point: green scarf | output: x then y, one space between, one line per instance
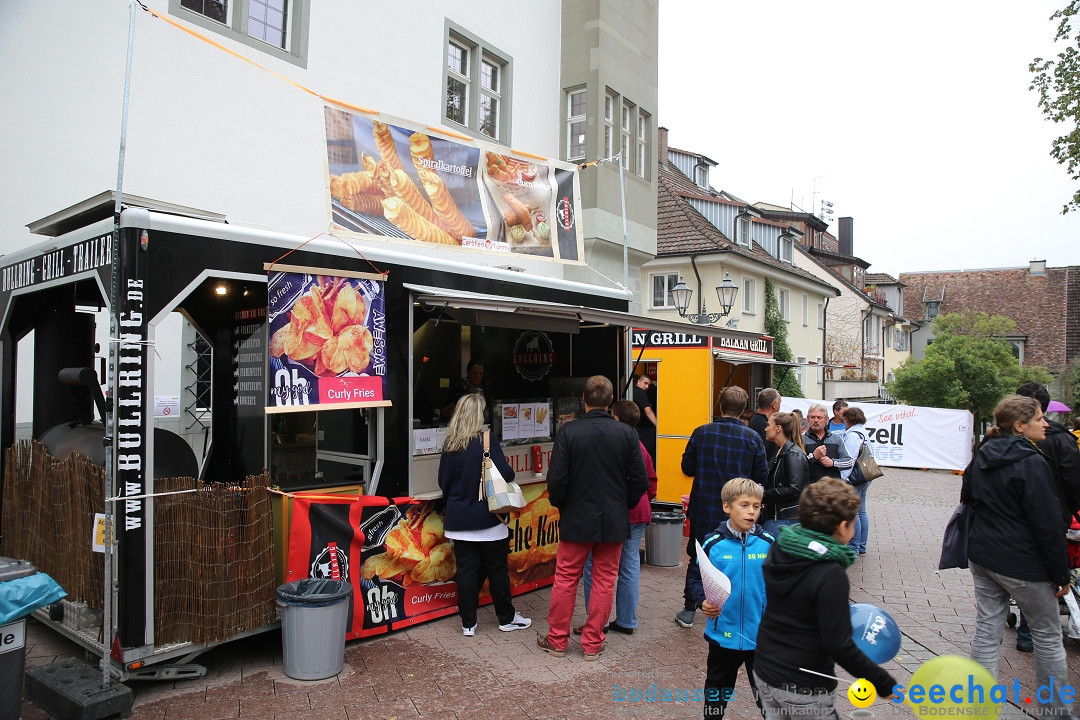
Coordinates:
807 544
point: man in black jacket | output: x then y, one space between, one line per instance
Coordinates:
768 402
596 475
1061 452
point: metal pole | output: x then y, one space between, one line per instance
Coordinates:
625 240
114 331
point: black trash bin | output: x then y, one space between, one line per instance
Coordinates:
314 614
12 645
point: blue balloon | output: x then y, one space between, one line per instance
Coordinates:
875 632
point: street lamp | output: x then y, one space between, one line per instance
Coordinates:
725 292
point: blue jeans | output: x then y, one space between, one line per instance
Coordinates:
626 591
772 526
862 522
1040 607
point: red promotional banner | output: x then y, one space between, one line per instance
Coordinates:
400 565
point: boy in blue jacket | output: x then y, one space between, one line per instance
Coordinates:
737 548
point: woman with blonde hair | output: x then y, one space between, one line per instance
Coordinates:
479 536
1016 543
789 472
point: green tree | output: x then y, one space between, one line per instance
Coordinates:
1058 83
1070 382
969 366
777 328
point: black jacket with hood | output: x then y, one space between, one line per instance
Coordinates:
1064 457
807 624
1017 529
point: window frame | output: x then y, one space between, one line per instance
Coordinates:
610 100
480 52
297 29
642 157
785 249
783 299
627 112
571 119
668 276
749 291
821 316
742 230
805 310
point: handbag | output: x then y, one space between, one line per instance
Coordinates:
955 543
502 495
867 464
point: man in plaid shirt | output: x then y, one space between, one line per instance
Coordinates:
716 453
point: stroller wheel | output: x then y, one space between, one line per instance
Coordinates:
1011 620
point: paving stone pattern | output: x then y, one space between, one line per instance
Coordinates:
434 672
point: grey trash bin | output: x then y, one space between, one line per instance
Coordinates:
663 539
314 615
12 646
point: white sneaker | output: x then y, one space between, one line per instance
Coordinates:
468 632
518 623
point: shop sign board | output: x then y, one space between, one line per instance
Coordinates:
327 347
407 182
909 436
400 565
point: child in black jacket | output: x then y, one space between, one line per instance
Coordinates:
807 622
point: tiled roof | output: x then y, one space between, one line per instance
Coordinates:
682 230
881 279
1037 304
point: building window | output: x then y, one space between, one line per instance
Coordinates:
800 372
277 27
477 82
749 296
662 283
787 249
701 175
576 123
888 337
627 111
821 316
642 143
784 297
933 307
820 371
609 125
742 230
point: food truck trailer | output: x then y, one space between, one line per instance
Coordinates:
316 375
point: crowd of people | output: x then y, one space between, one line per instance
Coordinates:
781 510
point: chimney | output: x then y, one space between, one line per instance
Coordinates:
661 144
845 239
1037 268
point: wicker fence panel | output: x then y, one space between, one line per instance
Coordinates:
48 516
213 548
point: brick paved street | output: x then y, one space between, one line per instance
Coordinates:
432 671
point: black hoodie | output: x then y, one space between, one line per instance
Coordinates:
1061 451
807 624
1017 529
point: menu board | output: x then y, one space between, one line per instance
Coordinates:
525 420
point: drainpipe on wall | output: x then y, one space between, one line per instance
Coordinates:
701 298
824 335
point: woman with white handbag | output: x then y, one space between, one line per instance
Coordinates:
854 438
480 547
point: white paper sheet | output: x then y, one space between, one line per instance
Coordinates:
717 585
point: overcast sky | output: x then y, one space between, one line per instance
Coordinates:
915 119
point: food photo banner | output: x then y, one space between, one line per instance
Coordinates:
327 339
909 436
405 182
400 565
